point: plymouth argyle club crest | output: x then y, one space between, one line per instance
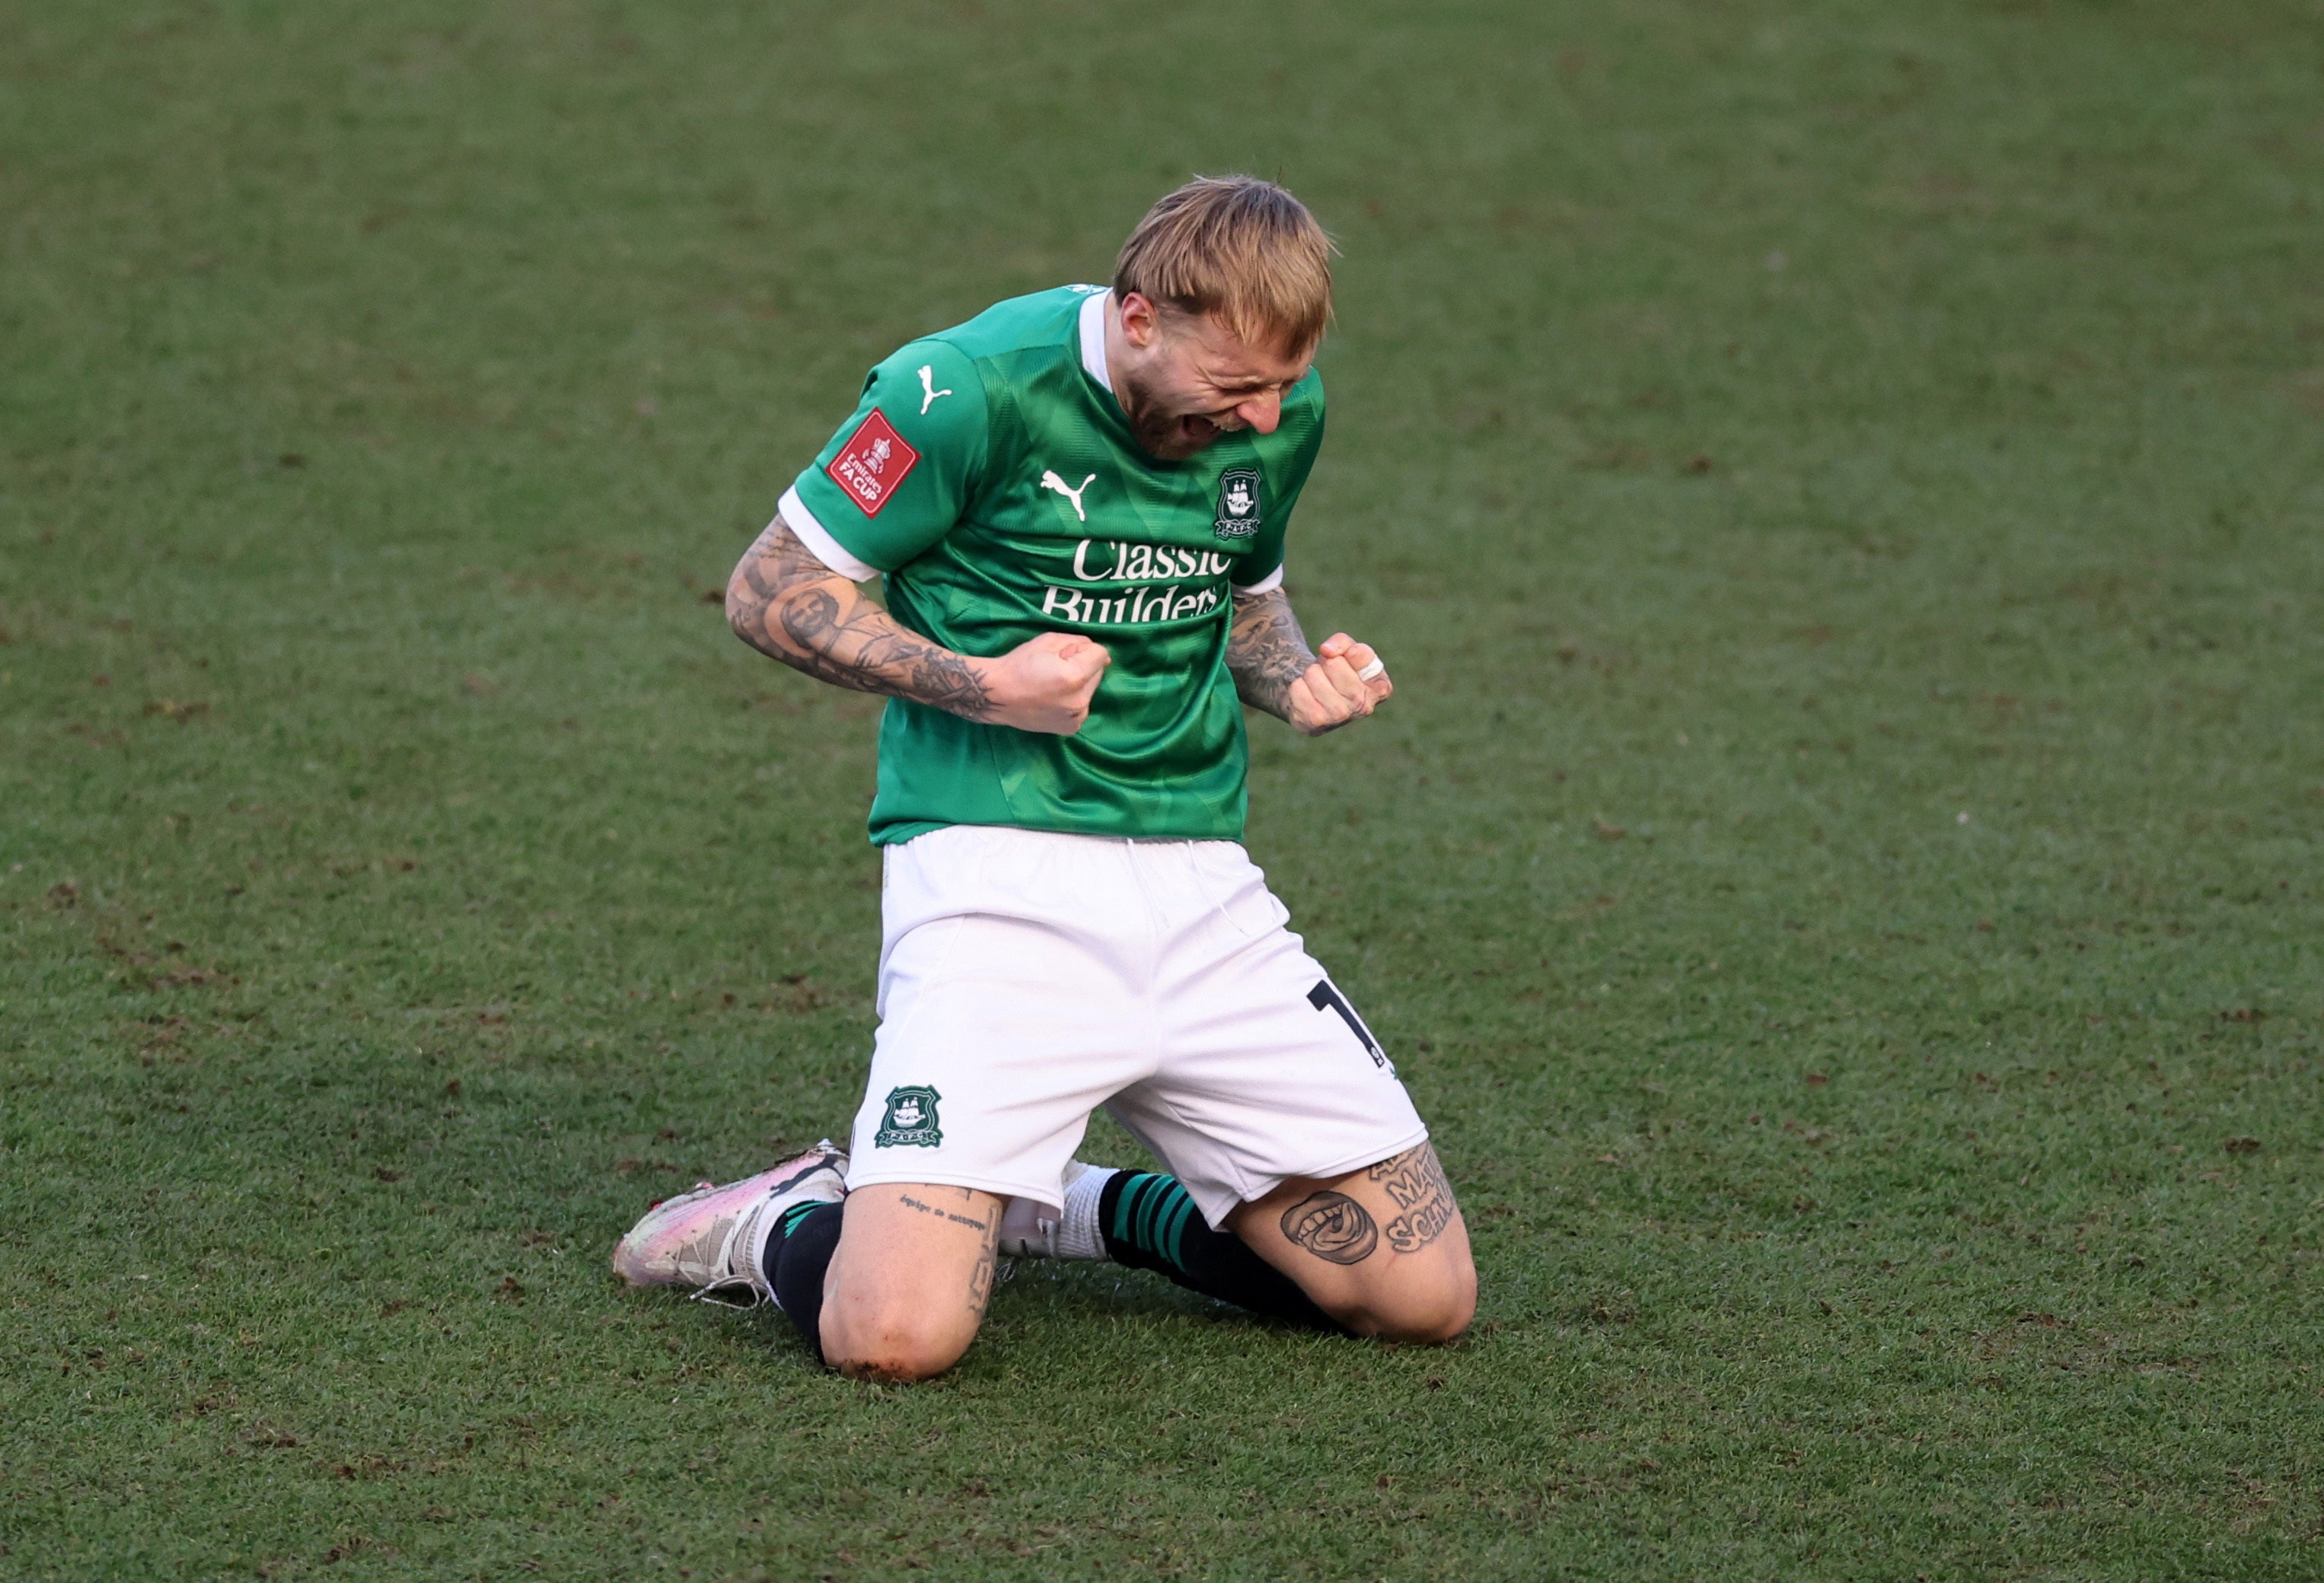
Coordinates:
1238 502
910 1121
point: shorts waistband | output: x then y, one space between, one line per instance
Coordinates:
1030 834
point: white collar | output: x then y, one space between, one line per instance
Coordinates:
1093 338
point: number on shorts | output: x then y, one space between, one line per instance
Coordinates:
1326 993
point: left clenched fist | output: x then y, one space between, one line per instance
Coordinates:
1333 690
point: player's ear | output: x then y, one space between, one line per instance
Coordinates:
1141 320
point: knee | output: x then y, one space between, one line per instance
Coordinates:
1426 1313
892 1345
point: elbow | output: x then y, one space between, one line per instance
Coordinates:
746 613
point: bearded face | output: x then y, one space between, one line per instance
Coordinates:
1183 378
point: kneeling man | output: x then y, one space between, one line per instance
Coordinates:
1077 502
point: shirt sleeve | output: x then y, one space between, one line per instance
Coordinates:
1260 571
897 475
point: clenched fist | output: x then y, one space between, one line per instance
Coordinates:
1043 683
1332 691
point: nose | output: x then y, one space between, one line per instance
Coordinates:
1263 413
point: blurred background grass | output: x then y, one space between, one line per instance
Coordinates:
1838 487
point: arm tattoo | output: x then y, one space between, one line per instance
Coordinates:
788 605
1416 1182
1332 1226
1266 652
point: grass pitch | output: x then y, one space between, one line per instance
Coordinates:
1838 485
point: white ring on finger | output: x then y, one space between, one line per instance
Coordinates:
1379 666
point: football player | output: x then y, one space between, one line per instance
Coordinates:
1076 503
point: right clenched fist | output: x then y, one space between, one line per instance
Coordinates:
1045 684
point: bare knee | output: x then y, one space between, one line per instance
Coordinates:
892 1345
908 1281
1433 1323
1418 1313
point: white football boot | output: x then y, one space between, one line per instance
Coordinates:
714 1239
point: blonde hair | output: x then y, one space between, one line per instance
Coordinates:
1238 248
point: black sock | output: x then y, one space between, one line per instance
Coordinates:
1149 1224
810 1235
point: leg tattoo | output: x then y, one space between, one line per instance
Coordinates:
1416 1182
1332 1226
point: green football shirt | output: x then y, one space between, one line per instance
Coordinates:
990 477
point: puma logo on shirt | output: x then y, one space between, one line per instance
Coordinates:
1051 481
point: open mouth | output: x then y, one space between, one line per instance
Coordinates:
1179 437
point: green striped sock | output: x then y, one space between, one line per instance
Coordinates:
1148 1215
1149 1222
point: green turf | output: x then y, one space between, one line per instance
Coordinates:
1838 485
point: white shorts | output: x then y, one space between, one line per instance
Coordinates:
1028 977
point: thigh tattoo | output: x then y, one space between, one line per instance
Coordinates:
981 1278
1332 1226
1416 1182
980 1281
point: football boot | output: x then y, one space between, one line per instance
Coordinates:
714 1239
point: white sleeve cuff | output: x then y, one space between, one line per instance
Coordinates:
1266 584
826 549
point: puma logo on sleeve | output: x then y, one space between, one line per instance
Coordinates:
929 394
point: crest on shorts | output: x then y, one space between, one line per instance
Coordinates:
1238 502
910 1121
